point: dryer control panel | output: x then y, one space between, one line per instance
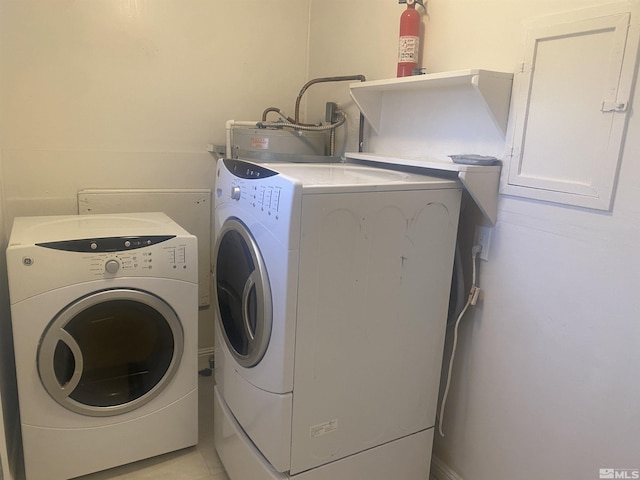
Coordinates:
106 244
108 256
46 253
42 268
170 257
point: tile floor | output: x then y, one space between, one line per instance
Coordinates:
196 463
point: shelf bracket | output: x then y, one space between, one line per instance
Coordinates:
483 188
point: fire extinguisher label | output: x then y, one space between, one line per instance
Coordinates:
408 49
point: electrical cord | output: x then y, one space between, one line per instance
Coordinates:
458 285
471 300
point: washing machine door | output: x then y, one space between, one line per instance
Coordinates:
243 295
110 352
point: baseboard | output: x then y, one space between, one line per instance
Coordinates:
204 356
442 471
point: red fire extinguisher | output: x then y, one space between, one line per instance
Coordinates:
409 42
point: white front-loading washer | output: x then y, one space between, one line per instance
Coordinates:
332 289
104 312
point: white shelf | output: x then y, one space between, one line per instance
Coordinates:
479 180
422 162
493 91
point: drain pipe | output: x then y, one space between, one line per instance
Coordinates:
360 78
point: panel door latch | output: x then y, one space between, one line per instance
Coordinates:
613 107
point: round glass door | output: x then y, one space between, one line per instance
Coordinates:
110 352
243 295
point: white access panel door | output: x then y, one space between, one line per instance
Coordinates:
375 272
571 105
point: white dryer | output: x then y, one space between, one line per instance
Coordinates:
104 313
332 289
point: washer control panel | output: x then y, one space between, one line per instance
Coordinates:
256 188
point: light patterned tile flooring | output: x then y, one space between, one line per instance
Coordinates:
196 463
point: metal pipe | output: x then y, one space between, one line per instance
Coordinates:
267 110
344 78
332 142
298 126
361 134
360 78
278 111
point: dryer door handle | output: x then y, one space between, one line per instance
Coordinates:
246 292
59 388
69 341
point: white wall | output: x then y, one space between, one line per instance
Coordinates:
128 93
545 383
349 38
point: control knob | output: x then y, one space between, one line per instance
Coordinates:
235 192
112 266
